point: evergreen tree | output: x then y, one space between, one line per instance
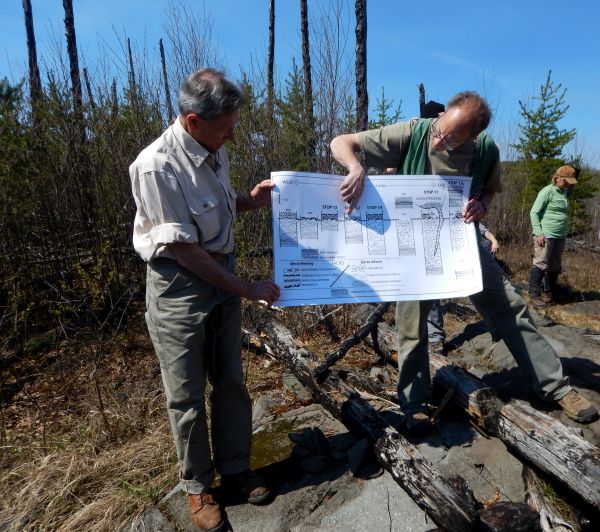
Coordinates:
541 141
296 136
541 144
382 112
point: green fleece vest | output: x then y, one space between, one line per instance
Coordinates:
415 158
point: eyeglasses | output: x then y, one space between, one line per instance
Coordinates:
447 140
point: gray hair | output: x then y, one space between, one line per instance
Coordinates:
209 94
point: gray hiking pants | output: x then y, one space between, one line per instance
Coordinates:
506 310
195 329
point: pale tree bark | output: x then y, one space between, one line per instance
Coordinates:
271 60
362 97
35 84
307 75
170 113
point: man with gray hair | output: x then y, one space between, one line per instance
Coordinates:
184 230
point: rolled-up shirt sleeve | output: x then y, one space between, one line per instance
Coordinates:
166 209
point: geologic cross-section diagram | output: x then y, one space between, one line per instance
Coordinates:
406 239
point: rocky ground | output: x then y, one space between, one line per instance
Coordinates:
325 478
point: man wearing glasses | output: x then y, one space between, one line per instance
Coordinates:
183 229
455 143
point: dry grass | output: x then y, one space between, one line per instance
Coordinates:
75 490
580 268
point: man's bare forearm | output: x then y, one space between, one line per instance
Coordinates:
344 149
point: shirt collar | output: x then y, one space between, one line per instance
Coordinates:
195 151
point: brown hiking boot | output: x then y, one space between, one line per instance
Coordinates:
577 407
250 484
206 512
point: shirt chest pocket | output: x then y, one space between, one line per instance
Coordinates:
205 211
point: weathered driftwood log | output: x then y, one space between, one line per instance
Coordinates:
425 484
544 441
550 519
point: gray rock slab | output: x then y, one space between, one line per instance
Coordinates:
378 504
489 469
152 520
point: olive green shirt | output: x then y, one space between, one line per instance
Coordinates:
385 148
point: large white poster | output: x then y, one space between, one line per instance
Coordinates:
406 240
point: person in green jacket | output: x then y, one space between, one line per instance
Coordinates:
549 219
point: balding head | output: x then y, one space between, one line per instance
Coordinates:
476 112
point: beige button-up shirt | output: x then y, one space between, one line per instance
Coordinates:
180 197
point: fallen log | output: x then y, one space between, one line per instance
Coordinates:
553 447
413 472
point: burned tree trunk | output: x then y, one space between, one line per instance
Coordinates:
131 70
421 88
88 88
35 84
307 75
271 61
170 113
72 52
409 468
362 97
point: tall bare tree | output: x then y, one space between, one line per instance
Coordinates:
170 114
271 59
306 73
72 51
132 83
88 88
35 84
362 97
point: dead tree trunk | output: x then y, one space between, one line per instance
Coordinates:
271 62
114 99
132 84
72 52
35 84
307 75
170 113
88 88
421 98
362 97
410 469
547 443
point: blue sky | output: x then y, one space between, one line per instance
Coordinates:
502 49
